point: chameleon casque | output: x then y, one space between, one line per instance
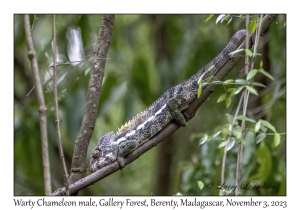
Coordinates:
142 127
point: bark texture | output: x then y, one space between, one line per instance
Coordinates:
78 167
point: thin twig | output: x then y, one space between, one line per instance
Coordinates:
30 91
61 152
246 98
246 95
228 140
34 18
257 35
42 107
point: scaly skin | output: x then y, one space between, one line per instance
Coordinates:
141 128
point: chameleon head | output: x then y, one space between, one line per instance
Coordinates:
103 153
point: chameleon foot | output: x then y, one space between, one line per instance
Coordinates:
175 105
121 162
124 149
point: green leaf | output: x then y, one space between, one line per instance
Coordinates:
260 137
276 139
252 90
209 78
231 91
236 51
224 18
209 17
200 81
200 185
228 102
219 18
229 20
248 52
243 117
249 139
238 90
229 142
263 128
229 118
209 68
213 82
230 145
227 17
199 92
268 125
257 126
230 126
241 81
258 84
266 74
222 97
203 139
261 64
228 81
251 74
216 134
252 27
201 77
237 132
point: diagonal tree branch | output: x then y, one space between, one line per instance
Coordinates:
78 167
167 131
42 107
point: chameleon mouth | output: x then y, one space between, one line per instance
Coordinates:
99 163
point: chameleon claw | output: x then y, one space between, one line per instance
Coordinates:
121 162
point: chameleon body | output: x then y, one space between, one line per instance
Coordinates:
141 128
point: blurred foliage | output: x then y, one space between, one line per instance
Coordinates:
148 54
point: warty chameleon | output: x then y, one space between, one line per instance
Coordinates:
114 147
